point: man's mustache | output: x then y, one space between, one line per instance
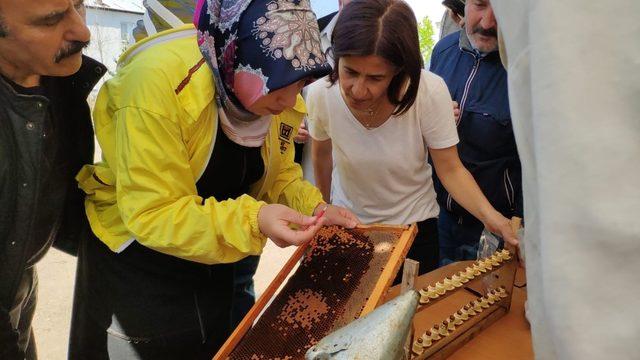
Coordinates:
74 48
492 32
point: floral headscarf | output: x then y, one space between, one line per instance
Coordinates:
254 47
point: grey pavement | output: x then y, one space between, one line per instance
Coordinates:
57 275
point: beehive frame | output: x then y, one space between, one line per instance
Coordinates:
407 234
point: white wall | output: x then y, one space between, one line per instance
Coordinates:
107 31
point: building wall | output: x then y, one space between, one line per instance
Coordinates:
111 34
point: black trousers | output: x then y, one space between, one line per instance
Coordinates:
425 248
16 332
142 304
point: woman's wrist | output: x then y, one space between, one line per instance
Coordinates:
254 219
488 214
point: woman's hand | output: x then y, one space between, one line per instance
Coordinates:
500 225
274 221
464 189
456 110
336 215
303 134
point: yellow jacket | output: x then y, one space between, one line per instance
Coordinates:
156 122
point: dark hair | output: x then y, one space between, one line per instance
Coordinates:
385 28
457 6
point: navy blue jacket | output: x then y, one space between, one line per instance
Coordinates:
487 145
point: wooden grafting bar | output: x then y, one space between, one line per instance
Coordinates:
461 305
435 339
441 289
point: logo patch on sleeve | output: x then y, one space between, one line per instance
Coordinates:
285 132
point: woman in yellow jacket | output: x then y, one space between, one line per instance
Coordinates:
192 177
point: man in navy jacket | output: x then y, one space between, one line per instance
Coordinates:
470 64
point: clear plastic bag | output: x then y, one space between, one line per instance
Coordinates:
490 243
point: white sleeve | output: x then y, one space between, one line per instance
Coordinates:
578 140
435 109
317 118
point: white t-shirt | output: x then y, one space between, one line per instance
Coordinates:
383 173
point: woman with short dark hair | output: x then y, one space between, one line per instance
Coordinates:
379 117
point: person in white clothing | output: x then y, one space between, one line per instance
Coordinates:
574 85
378 117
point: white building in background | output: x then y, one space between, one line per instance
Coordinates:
111 23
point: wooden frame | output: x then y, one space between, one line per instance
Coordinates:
390 270
483 322
382 227
501 277
465 333
439 309
377 296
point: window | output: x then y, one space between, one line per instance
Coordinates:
126 32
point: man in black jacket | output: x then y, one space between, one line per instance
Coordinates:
45 137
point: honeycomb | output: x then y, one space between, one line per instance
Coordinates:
328 290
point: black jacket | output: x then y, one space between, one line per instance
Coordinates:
44 141
325 20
